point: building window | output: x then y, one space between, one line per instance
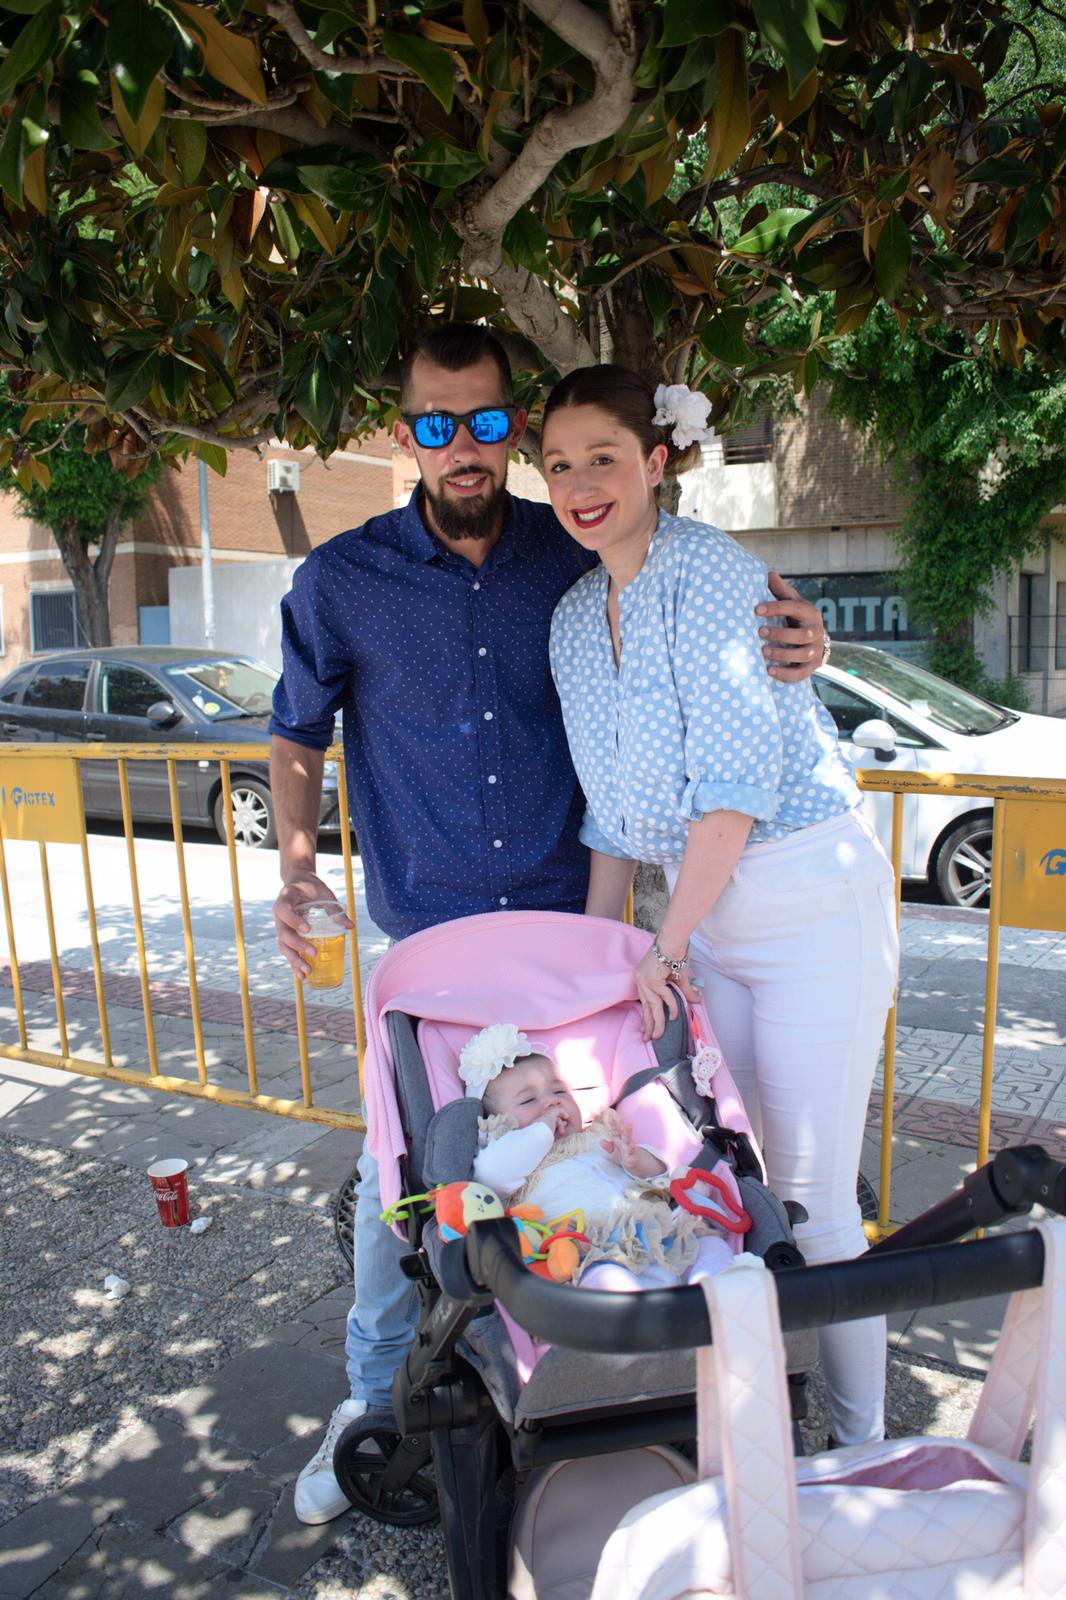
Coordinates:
1060 626
754 443
54 621
1026 642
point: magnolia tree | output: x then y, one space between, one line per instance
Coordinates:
222 223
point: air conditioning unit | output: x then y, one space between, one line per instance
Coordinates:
283 477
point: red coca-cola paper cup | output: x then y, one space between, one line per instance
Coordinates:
170 1180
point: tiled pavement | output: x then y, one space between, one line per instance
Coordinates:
193 1497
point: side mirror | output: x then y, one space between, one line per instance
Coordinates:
163 714
878 736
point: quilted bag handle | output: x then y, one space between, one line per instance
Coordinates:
744 1411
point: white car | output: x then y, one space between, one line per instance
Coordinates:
895 716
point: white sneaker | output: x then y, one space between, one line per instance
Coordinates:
318 1496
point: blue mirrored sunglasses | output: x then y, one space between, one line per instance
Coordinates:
489 425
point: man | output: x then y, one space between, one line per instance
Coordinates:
428 628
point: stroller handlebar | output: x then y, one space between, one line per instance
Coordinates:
809 1297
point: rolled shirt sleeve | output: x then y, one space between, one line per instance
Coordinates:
316 673
732 740
594 838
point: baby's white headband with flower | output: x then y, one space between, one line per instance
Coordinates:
685 410
489 1053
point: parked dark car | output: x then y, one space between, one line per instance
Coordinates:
157 695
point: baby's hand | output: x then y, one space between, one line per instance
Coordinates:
627 1155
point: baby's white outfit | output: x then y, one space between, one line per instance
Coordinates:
640 1242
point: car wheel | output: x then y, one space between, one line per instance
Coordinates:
253 815
964 865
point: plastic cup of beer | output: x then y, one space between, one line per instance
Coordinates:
326 931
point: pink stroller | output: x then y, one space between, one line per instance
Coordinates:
494 1408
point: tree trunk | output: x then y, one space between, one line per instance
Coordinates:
91 579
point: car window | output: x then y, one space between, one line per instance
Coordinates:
10 689
848 710
222 690
58 685
930 697
127 692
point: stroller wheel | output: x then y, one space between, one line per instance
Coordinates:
367 1469
867 1200
344 1217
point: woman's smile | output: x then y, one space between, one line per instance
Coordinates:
592 516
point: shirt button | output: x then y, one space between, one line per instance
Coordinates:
492 777
488 716
482 651
503 899
497 844
477 586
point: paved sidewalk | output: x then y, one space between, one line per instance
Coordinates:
150 1444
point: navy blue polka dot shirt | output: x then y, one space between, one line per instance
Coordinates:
461 788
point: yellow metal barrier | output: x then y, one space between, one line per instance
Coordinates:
1029 837
41 800
1028 890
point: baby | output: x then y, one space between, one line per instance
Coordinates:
534 1150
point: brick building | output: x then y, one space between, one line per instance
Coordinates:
247 523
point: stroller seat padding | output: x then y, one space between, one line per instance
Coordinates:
451 1143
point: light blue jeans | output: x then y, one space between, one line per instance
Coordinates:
381 1323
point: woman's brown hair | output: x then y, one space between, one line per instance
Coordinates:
624 396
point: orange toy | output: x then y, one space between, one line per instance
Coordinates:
549 1249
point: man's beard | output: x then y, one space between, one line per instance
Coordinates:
477 518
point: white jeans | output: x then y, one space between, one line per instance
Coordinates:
798 961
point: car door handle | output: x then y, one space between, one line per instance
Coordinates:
96 738
9 727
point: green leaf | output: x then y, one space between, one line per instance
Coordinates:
771 232
130 378
377 331
685 20
1007 170
431 61
35 43
26 131
79 119
426 247
659 298
791 28
1030 220
140 41
723 336
213 454
65 345
190 147
892 256
316 397
525 241
892 188
349 188
445 165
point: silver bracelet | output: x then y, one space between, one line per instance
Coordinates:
827 648
676 967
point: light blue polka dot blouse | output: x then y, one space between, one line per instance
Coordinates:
691 722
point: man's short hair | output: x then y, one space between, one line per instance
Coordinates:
454 346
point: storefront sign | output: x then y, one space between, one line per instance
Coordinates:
40 799
866 607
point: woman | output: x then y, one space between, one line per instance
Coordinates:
690 757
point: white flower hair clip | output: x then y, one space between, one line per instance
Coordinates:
684 409
489 1053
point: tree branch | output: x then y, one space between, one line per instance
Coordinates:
161 426
480 220
355 66
563 128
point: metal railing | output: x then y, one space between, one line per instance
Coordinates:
303 1107
1017 802
1011 831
